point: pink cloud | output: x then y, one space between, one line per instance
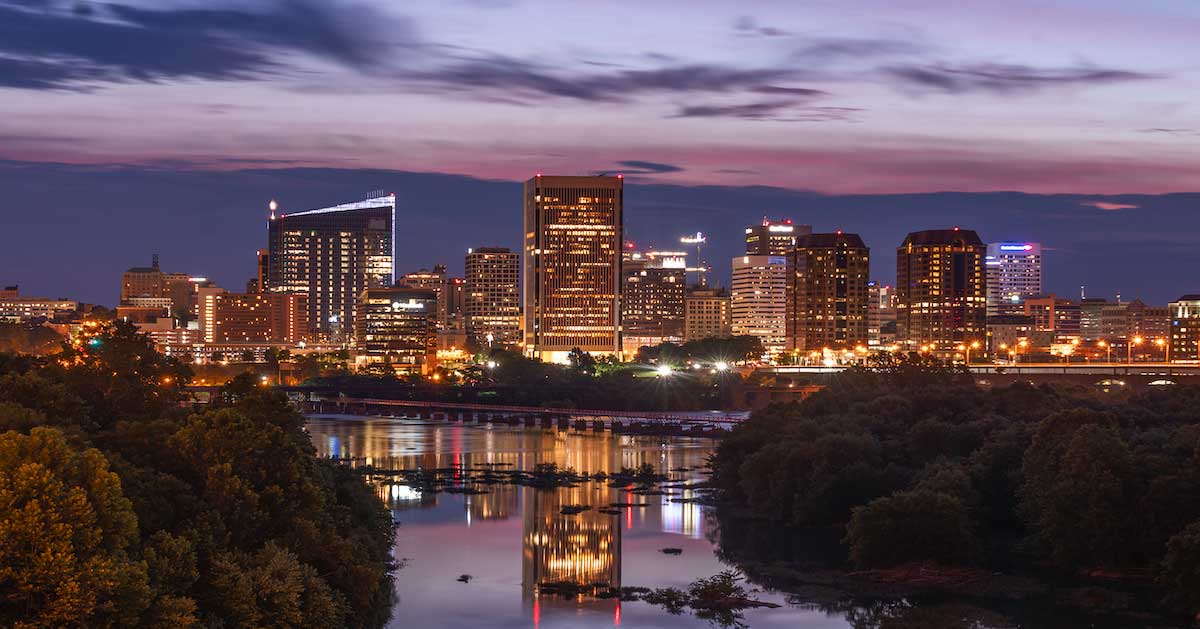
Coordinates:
1107 205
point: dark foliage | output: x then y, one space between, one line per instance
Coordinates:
237 523
916 463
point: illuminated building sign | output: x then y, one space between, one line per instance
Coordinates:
1017 247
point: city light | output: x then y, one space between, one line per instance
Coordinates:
664 370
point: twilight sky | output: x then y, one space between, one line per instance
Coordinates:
842 98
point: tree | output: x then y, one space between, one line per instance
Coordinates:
909 526
1180 572
581 361
67 533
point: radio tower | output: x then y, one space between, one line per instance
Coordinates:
701 270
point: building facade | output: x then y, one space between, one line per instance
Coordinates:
881 314
1185 329
17 308
774 238
758 300
1123 320
397 327
828 292
706 314
941 296
1014 272
653 285
258 318
571 266
1091 317
492 296
332 254
1051 313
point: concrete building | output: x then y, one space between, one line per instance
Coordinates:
397 327
758 300
1090 318
828 294
571 266
492 297
941 289
332 254
1004 332
1051 313
1014 272
258 318
774 238
706 314
1131 319
16 308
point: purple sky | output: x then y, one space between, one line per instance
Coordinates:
838 96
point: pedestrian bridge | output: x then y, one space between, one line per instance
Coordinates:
1106 376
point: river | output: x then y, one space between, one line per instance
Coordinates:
513 537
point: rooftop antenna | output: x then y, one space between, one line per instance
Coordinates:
154 261
1083 292
697 239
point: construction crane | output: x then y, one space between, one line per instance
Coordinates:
700 269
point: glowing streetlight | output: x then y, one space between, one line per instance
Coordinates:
722 366
1166 347
664 370
1108 347
1137 340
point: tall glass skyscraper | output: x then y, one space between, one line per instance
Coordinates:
333 254
1014 273
570 281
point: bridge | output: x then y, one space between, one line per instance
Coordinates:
1105 376
695 423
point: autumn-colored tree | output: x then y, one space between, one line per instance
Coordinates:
65 534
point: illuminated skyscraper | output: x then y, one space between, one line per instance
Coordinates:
333 254
706 314
652 290
397 327
940 289
570 280
758 300
827 292
881 314
1014 272
492 299
774 238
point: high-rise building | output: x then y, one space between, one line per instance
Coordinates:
435 281
1014 272
652 308
397 327
332 254
941 297
258 283
492 299
1050 313
141 283
827 297
1185 329
706 314
758 300
881 314
456 301
571 275
258 318
774 238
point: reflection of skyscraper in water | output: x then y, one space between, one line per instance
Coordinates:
582 549
499 503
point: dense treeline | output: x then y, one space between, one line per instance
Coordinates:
913 462
28 338
118 507
506 377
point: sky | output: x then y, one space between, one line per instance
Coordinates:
167 126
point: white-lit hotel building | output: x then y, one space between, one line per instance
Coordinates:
758 300
1014 272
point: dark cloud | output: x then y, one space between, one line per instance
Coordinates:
995 77
837 48
793 91
1109 205
1183 132
779 111
42 47
649 168
517 78
746 25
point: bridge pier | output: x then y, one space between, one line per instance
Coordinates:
580 424
530 420
564 422
598 425
617 426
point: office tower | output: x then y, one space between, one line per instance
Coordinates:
332 254
881 314
1090 318
1004 332
774 238
492 303
706 314
940 289
827 296
258 283
456 300
571 266
258 318
758 300
1014 271
652 291
1050 313
1185 330
206 312
435 281
397 327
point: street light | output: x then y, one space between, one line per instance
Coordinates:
1021 344
1137 340
1107 346
1162 344
1002 348
664 370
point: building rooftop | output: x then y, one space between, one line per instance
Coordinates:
943 237
829 240
365 204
